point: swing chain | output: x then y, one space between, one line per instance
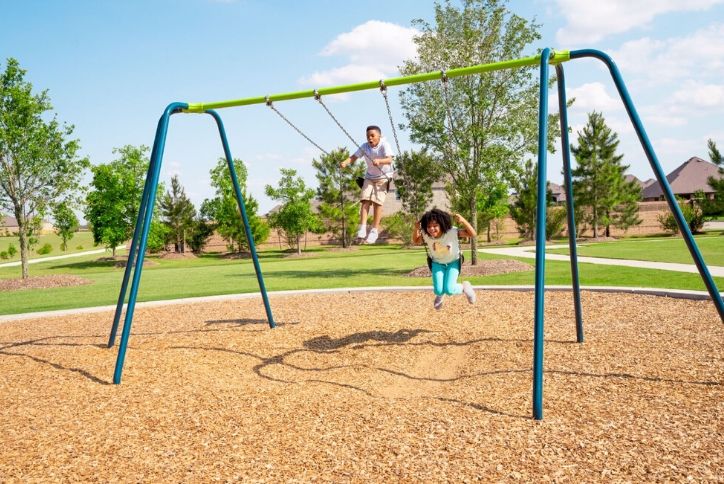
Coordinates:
269 103
318 97
383 90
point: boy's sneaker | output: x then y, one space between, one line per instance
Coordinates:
362 232
438 302
372 237
469 292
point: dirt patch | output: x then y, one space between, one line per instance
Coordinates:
368 387
177 255
483 268
42 282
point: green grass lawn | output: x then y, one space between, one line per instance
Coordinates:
80 242
322 268
670 249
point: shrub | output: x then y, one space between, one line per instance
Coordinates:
399 226
80 247
693 215
4 255
45 249
12 250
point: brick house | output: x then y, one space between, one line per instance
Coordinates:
688 178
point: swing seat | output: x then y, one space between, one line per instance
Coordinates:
460 262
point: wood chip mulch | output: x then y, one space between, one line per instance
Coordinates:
42 282
355 387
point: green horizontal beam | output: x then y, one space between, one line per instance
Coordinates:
556 58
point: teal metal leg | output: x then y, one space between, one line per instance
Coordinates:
245 218
156 157
568 183
540 238
658 172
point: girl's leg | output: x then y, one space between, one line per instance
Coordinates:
438 278
451 279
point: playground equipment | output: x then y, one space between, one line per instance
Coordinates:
546 58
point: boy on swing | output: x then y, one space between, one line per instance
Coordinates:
378 154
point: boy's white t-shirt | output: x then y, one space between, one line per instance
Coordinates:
446 248
382 150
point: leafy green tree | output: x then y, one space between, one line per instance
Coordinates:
338 194
224 209
524 209
178 213
295 216
114 200
416 173
481 127
599 182
66 223
39 164
693 216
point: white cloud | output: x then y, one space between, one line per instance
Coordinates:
699 95
589 22
371 51
593 96
700 55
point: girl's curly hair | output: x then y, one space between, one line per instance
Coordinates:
442 218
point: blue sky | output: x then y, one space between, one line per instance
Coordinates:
111 67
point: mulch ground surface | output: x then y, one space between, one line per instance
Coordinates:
358 387
42 282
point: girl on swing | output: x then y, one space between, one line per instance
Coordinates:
435 228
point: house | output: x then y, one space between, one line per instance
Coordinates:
690 177
9 225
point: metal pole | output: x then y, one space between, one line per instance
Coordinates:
134 244
540 239
658 172
244 217
156 158
568 182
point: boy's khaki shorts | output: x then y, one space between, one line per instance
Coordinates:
375 191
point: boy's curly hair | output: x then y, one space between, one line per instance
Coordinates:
442 218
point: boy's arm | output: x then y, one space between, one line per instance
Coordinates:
417 233
387 160
349 160
468 230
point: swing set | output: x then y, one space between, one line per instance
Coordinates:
544 60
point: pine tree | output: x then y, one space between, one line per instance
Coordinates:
716 206
178 213
599 182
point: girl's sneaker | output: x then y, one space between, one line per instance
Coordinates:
438 302
469 292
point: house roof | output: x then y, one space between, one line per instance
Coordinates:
8 221
690 176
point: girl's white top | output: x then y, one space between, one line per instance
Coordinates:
445 249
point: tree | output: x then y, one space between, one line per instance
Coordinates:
599 182
524 209
715 206
294 217
178 213
201 230
113 203
416 173
39 164
224 209
66 223
480 127
338 194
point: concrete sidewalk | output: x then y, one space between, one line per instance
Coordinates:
529 253
38 260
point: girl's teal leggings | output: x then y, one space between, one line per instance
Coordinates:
445 278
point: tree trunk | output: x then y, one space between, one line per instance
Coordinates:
489 239
299 245
595 223
22 227
474 240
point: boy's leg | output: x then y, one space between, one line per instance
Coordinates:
363 214
375 231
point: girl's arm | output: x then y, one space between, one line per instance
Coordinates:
468 230
417 233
